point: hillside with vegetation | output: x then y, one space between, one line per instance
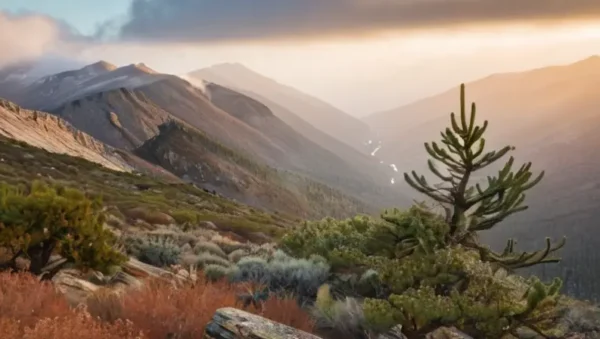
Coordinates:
423 272
194 156
124 106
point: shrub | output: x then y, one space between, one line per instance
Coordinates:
186 239
185 216
41 220
205 259
186 248
228 245
214 272
151 216
205 246
284 274
154 250
344 318
236 255
188 259
420 282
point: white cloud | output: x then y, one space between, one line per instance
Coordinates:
27 37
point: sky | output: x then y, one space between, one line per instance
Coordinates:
363 56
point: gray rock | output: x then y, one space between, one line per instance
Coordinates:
447 333
229 323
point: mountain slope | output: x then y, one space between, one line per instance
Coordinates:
122 118
55 135
193 155
314 111
123 107
305 155
551 116
344 151
525 108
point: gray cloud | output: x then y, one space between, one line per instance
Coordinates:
214 20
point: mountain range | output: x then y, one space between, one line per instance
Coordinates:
316 112
124 108
246 137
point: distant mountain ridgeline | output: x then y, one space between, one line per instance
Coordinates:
124 108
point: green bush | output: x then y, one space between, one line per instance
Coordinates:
206 258
422 284
160 251
185 216
214 272
282 273
38 221
236 255
345 318
205 246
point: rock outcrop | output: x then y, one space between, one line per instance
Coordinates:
228 323
55 135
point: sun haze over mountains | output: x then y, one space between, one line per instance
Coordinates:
260 120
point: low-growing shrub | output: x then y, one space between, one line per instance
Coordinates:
209 247
236 255
153 217
342 318
282 273
185 216
421 283
228 245
188 259
205 259
214 272
153 250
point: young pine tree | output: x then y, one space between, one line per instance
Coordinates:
473 208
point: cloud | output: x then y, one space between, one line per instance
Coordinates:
26 36
30 36
214 20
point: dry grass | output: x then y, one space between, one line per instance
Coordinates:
30 309
158 310
287 311
78 325
25 298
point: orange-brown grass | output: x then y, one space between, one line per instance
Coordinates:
286 310
76 326
161 310
24 298
30 309
158 310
